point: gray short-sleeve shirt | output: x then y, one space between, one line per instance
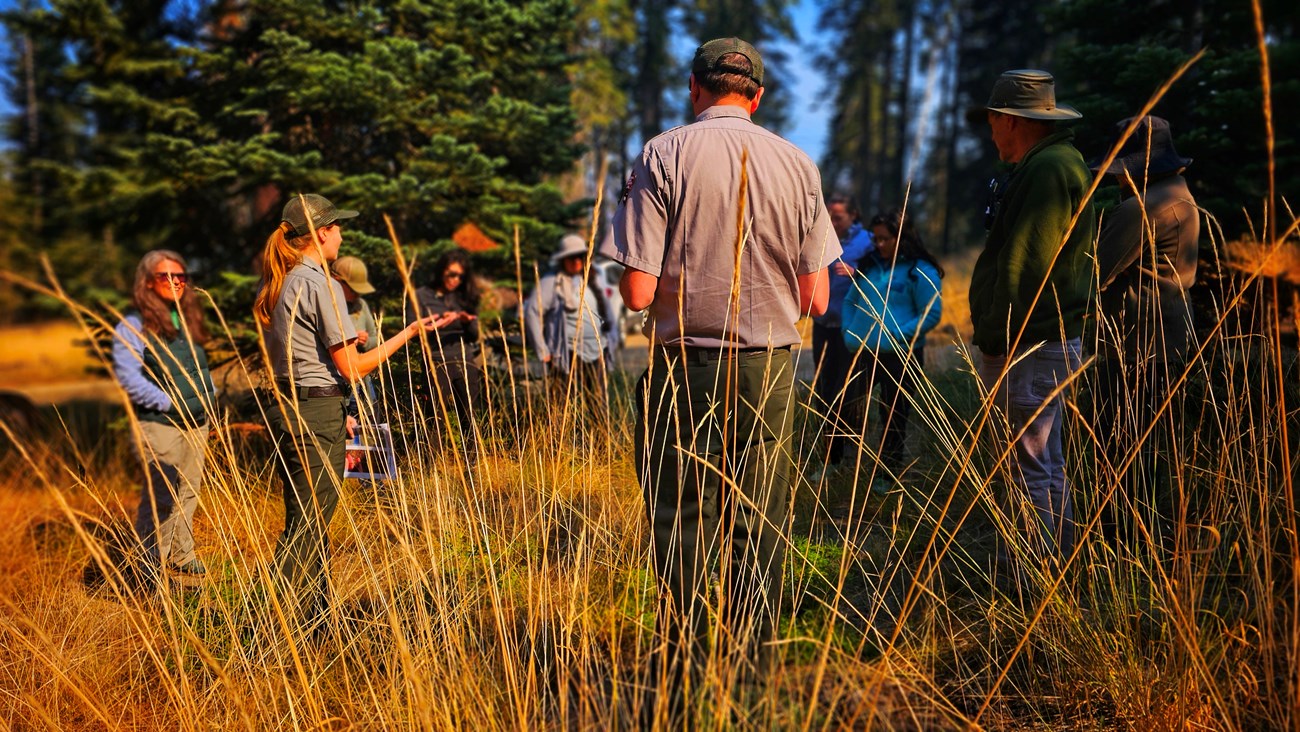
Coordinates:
310 318
678 220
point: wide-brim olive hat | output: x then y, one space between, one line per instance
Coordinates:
571 245
708 57
1148 152
321 212
1029 93
353 271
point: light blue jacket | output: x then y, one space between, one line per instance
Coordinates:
891 308
857 244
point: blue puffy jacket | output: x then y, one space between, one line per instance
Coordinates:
891 307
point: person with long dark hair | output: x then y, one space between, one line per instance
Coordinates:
159 360
453 358
312 347
894 301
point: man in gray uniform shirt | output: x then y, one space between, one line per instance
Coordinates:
726 240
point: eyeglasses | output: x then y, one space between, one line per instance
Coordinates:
179 278
453 275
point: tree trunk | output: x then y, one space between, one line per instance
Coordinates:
33 131
904 100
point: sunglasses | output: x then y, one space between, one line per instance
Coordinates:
179 278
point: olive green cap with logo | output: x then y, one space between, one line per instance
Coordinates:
318 208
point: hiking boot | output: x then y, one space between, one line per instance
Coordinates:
192 568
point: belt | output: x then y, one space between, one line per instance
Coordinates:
310 392
710 354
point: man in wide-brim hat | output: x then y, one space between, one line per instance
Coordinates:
1028 296
1146 259
565 313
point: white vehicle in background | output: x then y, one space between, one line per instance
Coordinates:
607 274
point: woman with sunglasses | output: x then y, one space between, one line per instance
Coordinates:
453 358
312 346
158 359
893 302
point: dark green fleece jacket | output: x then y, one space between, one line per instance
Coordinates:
1037 203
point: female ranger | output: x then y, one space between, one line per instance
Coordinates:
311 345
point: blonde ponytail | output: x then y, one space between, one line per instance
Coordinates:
280 256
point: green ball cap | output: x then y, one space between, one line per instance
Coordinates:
708 58
315 207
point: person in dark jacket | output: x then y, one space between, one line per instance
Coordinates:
893 302
1146 260
1029 293
158 359
453 357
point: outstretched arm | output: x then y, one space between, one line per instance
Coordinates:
355 365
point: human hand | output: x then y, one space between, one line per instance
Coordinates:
840 268
546 358
434 322
362 337
352 426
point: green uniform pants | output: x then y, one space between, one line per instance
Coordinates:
310 437
714 460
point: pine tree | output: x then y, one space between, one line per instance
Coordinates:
1215 112
435 113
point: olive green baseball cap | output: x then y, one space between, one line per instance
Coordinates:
708 57
321 212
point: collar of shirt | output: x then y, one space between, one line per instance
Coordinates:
723 110
313 264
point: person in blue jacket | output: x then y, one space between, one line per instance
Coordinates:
829 353
894 301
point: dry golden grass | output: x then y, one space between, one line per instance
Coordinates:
1280 262
524 600
46 353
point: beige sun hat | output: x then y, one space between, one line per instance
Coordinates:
352 271
571 245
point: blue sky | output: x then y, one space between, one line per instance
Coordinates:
809 117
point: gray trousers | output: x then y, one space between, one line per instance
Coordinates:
1039 505
310 440
173 460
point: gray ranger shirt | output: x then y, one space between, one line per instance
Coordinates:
678 220
310 318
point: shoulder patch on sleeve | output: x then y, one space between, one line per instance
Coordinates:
627 188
